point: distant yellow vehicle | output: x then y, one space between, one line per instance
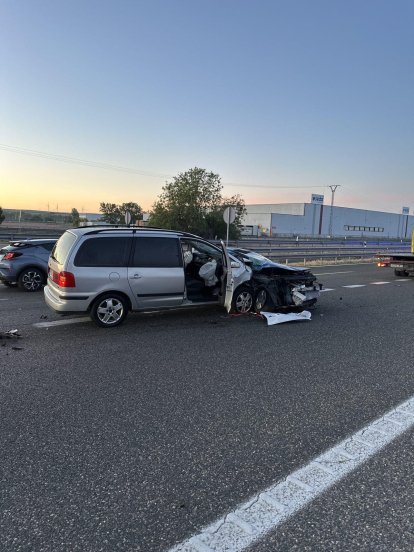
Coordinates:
402 263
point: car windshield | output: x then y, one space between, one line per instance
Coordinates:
257 260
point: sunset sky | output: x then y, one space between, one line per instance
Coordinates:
265 93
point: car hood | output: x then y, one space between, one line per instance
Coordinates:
279 269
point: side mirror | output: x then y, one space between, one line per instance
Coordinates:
247 261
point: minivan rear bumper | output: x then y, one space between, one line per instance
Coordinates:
66 304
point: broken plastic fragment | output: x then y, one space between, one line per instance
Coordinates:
10 334
278 318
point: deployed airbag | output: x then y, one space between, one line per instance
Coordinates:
208 273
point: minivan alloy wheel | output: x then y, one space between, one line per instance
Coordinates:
244 302
110 311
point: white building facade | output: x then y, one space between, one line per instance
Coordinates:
313 219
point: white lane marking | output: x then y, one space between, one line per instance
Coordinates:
265 511
404 280
342 265
355 285
328 289
325 273
3 299
61 322
379 283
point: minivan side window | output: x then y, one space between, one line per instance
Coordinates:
104 252
157 253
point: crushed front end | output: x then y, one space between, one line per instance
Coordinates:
288 287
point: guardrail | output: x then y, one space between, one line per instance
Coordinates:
296 251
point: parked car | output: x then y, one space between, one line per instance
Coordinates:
24 263
107 272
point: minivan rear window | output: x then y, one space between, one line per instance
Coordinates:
103 252
62 247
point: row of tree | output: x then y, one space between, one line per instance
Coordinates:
192 202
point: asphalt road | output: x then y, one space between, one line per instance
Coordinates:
135 438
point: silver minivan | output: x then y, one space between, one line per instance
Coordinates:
110 271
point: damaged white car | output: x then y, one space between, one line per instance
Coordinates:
110 271
277 287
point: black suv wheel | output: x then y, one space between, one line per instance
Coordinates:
31 279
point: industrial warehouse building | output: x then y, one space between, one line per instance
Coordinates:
313 219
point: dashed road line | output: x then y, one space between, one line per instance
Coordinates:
403 280
61 322
325 273
355 286
328 289
266 510
379 283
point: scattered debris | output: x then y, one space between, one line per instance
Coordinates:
17 348
11 334
277 318
43 317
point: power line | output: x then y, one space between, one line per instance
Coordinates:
273 187
74 160
120 168
365 199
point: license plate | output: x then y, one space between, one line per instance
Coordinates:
393 265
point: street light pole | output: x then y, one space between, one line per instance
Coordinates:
333 190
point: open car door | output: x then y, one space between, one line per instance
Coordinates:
228 282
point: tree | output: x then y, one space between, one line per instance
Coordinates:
133 208
74 217
115 214
110 212
193 203
2 217
217 227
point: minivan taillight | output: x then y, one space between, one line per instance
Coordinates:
66 279
10 256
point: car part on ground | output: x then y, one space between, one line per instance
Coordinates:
278 318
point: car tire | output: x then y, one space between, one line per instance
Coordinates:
400 273
31 279
10 284
263 301
243 301
109 310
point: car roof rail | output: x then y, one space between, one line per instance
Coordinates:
134 229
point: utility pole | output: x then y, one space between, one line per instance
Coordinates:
333 190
